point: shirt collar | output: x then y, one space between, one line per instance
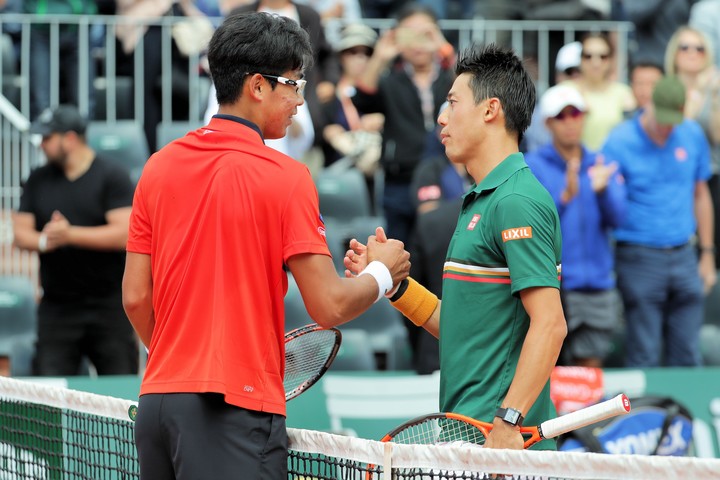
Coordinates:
240 120
500 173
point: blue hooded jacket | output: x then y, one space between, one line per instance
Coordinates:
586 221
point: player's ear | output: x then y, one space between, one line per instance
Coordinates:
255 86
493 107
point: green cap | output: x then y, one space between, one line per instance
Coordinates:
669 100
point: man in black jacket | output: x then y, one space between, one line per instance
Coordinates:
407 79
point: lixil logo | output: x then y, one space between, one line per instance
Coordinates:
520 233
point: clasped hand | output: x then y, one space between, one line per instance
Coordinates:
390 252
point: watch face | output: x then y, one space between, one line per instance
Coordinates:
509 415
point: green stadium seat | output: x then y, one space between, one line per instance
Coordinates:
18 323
122 142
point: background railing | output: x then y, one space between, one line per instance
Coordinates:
19 156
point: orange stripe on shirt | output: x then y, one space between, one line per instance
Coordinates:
469 278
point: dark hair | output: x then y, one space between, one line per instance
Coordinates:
255 43
498 72
412 8
646 64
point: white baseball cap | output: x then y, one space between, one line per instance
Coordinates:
568 56
558 97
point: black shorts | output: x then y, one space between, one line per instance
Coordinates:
193 436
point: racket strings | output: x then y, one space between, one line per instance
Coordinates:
435 431
306 356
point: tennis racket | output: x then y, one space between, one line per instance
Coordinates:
309 351
447 428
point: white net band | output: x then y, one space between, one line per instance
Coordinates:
58 397
515 462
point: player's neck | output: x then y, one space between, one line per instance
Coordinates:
492 155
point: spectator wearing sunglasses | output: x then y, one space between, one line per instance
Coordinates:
606 100
590 199
690 57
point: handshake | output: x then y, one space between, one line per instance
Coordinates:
387 261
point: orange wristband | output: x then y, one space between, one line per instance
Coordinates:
417 303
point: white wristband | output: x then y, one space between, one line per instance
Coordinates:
382 276
42 243
393 291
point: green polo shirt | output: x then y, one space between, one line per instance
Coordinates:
507 239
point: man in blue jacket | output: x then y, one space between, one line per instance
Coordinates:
590 198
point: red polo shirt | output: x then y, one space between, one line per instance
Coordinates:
219 213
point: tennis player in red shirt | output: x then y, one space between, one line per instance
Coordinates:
216 216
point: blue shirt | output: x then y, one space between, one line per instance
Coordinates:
660 181
586 221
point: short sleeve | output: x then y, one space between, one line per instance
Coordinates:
140 231
527 232
303 227
118 189
703 171
27 198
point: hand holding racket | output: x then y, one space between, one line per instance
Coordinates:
309 351
447 428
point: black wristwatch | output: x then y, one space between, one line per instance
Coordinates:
511 416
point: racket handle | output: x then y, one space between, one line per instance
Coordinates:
618 405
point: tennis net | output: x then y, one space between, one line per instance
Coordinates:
54 433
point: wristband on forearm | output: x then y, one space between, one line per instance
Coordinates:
382 276
414 301
42 243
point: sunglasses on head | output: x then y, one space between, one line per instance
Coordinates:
601 56
571 112
684 47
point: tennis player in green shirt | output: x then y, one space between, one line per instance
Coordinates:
501 325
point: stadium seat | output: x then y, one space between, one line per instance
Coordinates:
710 345
355 352
354 397
343 194
124 101
18 323
169 131
122 142
339 233
387 335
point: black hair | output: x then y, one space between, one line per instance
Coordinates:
255 42
497 72
646 64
